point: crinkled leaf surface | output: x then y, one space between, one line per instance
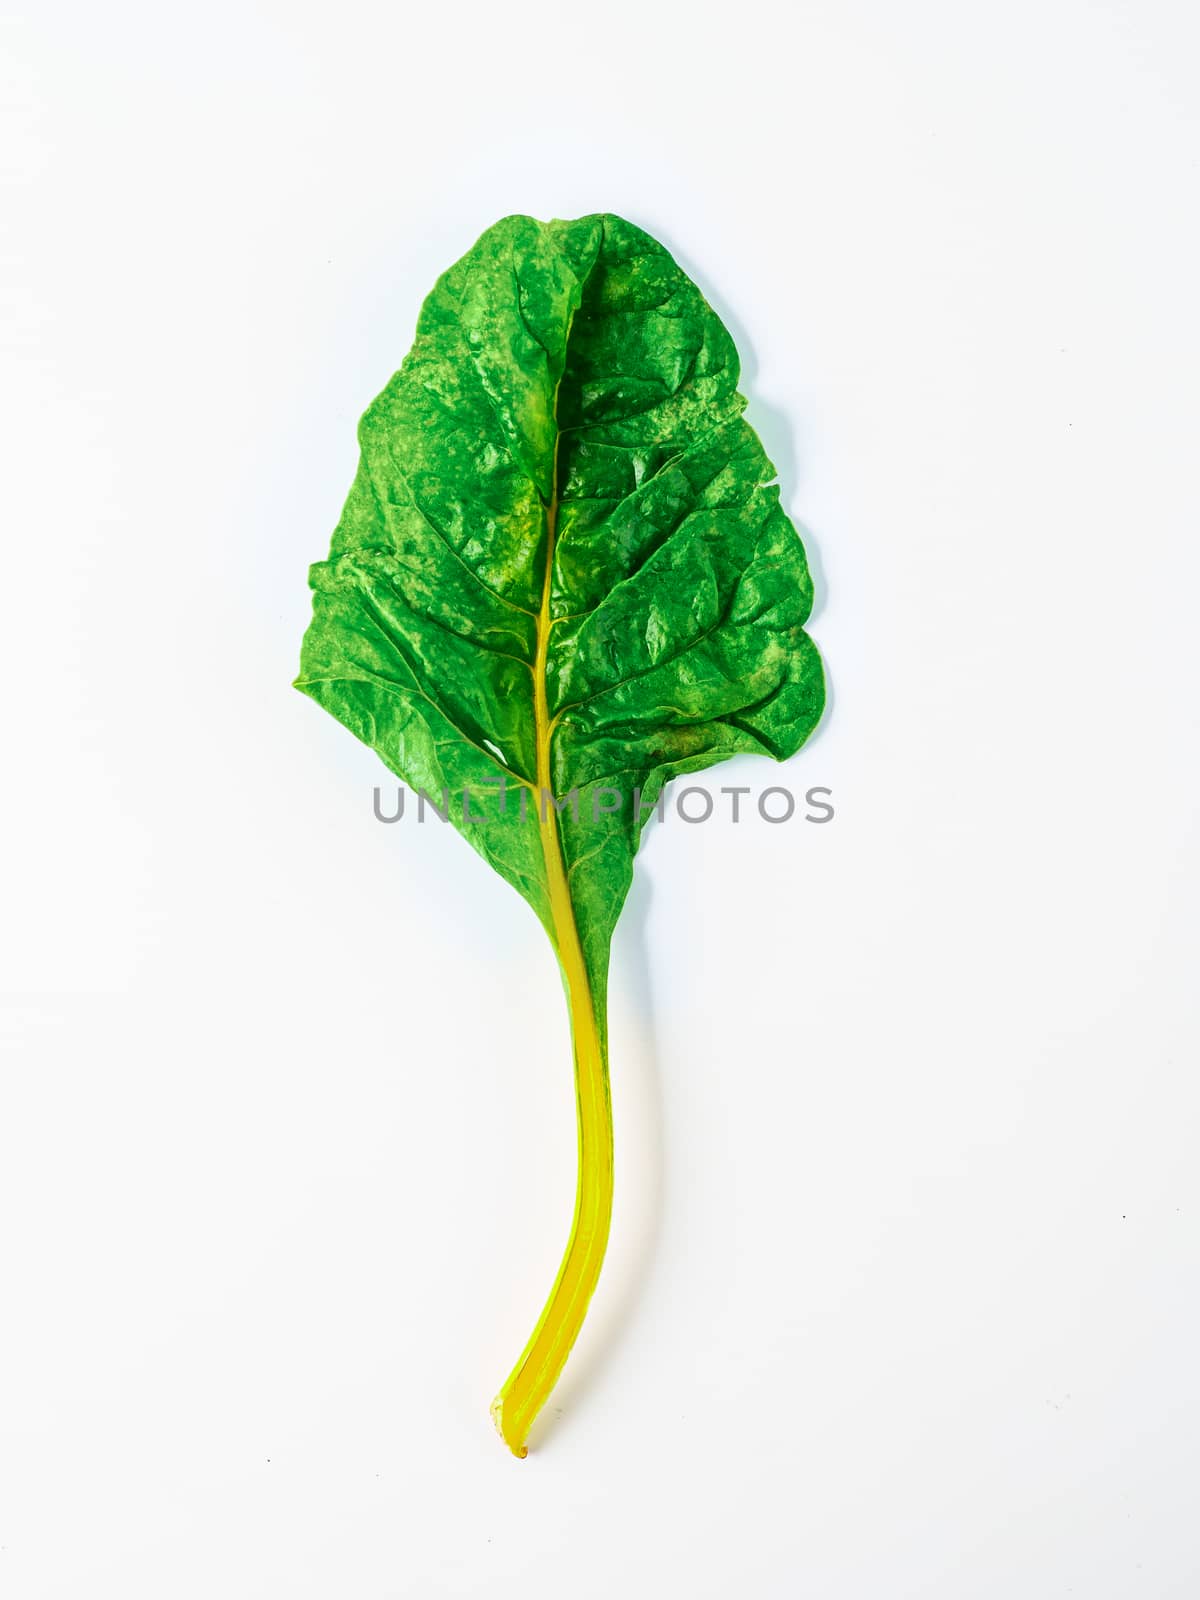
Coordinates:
569 391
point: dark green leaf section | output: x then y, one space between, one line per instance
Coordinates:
571 368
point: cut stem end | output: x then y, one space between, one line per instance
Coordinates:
514 1442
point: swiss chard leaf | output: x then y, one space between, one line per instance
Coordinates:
562 577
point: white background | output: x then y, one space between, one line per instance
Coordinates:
902 1298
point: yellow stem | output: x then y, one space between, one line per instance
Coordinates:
529 1384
